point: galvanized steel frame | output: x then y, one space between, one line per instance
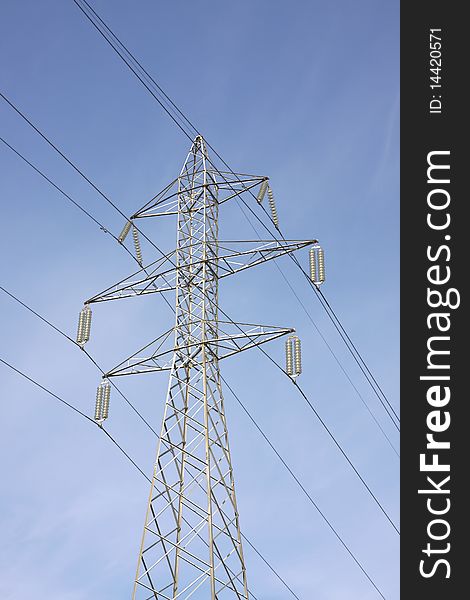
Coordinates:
191 544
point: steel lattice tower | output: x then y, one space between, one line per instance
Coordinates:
191 544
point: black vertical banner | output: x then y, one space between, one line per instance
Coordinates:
435 255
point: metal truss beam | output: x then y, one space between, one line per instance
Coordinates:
229 263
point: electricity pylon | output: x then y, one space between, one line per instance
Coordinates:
191 544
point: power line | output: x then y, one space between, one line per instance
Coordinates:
340 365
67 160
79 206
326 306
327 429
335 441
270 567
77 169
143 83
68 338
61 191
357 352
74 409
128 457
137 62
350 345
302 487
245 409
221 310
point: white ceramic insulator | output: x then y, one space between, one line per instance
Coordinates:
99 404
124 232
106 397
289 358
262 191
272 206
87 314
81 323
297 356
138 250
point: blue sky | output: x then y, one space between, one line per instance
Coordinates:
305 92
